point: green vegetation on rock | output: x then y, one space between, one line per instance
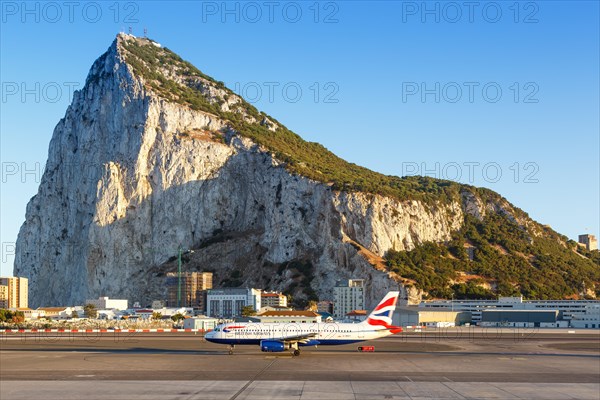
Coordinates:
503 253
308 159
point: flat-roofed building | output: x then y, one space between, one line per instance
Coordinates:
589 319
60 312
106 303
201 322
422 316
570 309
14 292
294 316
347 296
589 241
29 314
273 299
522 318
229 302
190 291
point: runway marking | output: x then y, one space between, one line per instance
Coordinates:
235 396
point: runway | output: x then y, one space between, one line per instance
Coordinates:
183 366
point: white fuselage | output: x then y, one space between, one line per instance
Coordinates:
332 333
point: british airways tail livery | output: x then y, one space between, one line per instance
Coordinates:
278 337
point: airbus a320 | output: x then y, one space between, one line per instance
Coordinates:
279 337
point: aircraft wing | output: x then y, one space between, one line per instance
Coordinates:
297 338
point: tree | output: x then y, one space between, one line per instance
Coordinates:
18 317
312 306
74 314
177 317
156 315
248 311
90 310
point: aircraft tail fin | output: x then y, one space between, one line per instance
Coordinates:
381 316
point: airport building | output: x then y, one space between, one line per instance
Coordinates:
347 296
14 292
522 318
105 303
589 319
189 290
229 302
423 316
569 309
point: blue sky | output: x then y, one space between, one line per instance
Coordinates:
498 94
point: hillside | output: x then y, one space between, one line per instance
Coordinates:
171 158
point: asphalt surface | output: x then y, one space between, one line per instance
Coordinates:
444 356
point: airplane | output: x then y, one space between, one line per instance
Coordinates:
279 337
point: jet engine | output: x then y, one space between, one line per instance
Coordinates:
272 346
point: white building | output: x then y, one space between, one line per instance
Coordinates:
348 296
273 299
589 319
229 302
104 303
571 310
202 322
289 317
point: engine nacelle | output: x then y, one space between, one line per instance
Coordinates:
273 346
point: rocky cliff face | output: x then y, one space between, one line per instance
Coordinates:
132 176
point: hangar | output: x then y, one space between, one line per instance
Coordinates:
414 316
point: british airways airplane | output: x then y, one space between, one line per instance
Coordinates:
278 337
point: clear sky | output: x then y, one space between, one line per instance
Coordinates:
499 94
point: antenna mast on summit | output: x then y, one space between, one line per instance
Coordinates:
146 32
130 30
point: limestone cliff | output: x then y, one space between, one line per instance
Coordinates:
139 167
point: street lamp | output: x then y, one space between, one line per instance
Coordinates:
180 252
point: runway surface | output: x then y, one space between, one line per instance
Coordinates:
428 365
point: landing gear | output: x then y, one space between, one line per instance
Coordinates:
296 352
231 347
